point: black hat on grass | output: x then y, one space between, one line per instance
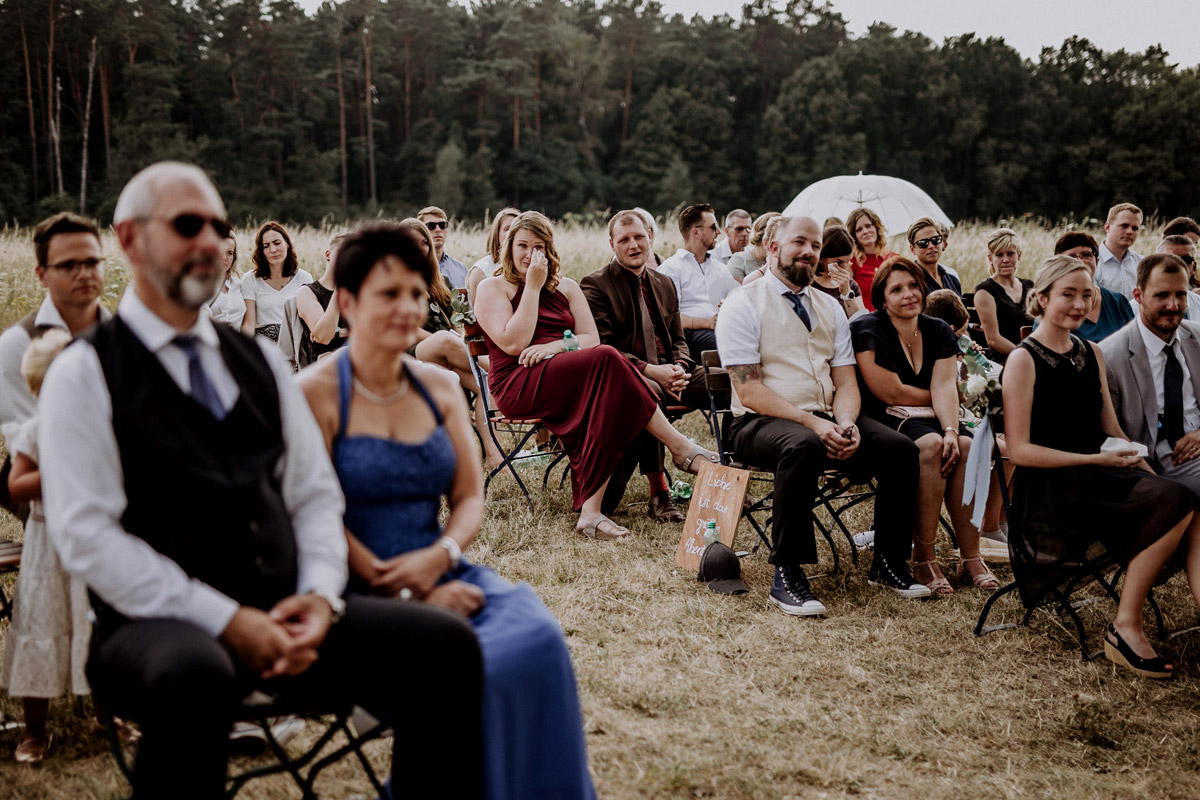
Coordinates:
721 569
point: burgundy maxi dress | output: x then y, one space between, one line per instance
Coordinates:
593 400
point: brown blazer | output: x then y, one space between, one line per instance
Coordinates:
607 292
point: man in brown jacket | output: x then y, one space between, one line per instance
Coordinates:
637 312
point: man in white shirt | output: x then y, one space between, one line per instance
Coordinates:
187 483
701 282
796 412
70 264
1153 366
1117 267
737 235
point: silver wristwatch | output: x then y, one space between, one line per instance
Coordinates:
452 548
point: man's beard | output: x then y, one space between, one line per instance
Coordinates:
186 289
797 273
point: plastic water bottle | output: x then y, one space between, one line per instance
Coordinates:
711 533
569 341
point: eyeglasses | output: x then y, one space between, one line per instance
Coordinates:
437 224
1189 260
936 241
73 266
189 225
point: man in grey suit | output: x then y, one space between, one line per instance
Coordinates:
1154 371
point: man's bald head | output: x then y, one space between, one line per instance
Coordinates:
797 245
145 190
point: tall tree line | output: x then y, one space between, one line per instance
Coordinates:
570 106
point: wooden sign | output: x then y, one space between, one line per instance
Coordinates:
718 496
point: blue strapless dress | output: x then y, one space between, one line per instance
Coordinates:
532 727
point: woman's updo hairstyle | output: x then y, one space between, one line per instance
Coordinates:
362 250
758 231
1051 270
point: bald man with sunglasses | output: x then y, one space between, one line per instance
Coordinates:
185 480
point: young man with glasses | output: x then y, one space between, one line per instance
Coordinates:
453 270
925 240
70 264
701 282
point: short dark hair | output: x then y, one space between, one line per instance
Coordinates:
1170 265
261 268
1072 239
62 222
1181 225
691 216
1177 239
836 242
946 305
896 264
362 250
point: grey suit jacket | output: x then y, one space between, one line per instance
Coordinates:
1130 384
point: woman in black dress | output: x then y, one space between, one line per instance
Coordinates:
909 367
1000 300
1069 495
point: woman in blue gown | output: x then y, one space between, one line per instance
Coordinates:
399 433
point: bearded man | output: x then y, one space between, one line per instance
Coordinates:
796 411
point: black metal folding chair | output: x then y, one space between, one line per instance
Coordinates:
304 768
837 492
1093 565
516 433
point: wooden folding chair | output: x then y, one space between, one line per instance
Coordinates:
834 485
1095 565
520 431
304 768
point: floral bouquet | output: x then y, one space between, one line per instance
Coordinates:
976 387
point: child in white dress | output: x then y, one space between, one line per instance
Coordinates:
47 644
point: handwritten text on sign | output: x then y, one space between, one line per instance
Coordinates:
717 496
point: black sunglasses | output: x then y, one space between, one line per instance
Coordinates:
189 225
436 224
921 244
1189 260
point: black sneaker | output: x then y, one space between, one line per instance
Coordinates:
792 595
897 578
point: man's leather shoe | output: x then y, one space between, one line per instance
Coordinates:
663 509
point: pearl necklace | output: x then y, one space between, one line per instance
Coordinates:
380 400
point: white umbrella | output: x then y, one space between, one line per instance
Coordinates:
897 202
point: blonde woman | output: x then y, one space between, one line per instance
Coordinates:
768 235
1069 493
228 305
486 267
1000 300
870 248
754 255
592 398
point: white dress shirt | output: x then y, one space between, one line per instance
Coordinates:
1155 349
700 286
17 403
722 252
739 328
229 306
83 485
1117 276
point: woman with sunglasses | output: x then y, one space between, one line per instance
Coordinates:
870 249
925 240
277 277
229 306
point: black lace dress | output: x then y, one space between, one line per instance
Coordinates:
1063 515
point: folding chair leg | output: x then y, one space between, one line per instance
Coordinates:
508 463
980 630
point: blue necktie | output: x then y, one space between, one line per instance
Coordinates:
801 311
203 391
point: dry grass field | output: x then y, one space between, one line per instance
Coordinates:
690 694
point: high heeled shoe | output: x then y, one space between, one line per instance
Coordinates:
1122 654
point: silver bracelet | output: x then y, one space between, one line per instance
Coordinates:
452 549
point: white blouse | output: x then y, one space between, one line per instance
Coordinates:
229 306
269 301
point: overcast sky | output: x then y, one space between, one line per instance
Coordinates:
1027 25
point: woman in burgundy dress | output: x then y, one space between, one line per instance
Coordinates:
591 398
